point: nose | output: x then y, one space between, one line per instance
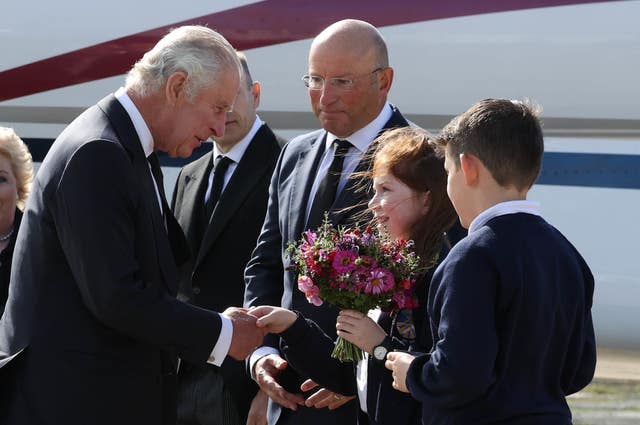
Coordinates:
218 126
328 94
374 203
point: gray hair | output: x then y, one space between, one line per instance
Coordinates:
198 51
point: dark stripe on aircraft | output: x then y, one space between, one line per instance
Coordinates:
590 170
558 168
255 25
298 120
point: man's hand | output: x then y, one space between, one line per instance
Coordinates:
398 363
323 397
246 335
266 371
258 410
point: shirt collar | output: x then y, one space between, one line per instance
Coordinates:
362 138
144 134
504 208
238 150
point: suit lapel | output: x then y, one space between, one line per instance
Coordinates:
304 176
247 174
130 141
195 184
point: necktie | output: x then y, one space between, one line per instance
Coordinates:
157 176
326 193
220 166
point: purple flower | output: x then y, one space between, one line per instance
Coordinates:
380 280
399 299
343 262
310 236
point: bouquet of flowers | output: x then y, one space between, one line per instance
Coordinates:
353 269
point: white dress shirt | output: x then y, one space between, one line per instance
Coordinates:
221 348
361 140
504 208
235 154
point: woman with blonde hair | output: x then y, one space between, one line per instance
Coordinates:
16 174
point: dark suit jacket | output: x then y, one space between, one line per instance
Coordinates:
214 277
5 261
267 281
91 308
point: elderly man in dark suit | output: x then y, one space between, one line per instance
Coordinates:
92 328
221 210
348 81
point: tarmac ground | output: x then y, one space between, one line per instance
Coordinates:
613 397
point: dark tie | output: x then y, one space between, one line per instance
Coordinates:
220 166
326 193
157 176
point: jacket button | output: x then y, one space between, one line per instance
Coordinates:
196 290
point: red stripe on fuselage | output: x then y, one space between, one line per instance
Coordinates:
255 25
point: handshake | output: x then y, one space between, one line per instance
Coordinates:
248 332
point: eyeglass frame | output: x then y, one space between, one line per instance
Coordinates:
336 82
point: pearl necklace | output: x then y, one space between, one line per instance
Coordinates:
6 237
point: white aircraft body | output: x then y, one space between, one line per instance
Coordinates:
579 59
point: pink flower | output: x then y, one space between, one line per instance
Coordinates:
305 283
380 280
312 295
343 262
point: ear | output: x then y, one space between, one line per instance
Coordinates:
174 89
386 78
255 93
470 166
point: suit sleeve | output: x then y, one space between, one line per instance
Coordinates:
264 272
461 365
264 284
308 349
96 204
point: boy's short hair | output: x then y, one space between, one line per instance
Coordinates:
504 134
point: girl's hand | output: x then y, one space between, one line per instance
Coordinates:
273 319
398 363
359 329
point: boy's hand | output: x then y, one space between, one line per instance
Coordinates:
398 363
359 329
273 319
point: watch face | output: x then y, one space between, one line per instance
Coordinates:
380 352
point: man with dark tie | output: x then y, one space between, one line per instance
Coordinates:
220 201
348 81
92 329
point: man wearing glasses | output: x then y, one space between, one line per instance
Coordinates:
348 82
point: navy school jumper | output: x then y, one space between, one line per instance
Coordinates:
510 311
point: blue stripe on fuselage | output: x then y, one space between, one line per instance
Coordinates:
558 168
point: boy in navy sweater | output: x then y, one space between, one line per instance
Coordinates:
510 306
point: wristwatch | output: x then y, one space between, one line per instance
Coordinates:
380 351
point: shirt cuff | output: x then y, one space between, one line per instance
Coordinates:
221 348
257 355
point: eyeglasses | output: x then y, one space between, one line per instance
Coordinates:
315 82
